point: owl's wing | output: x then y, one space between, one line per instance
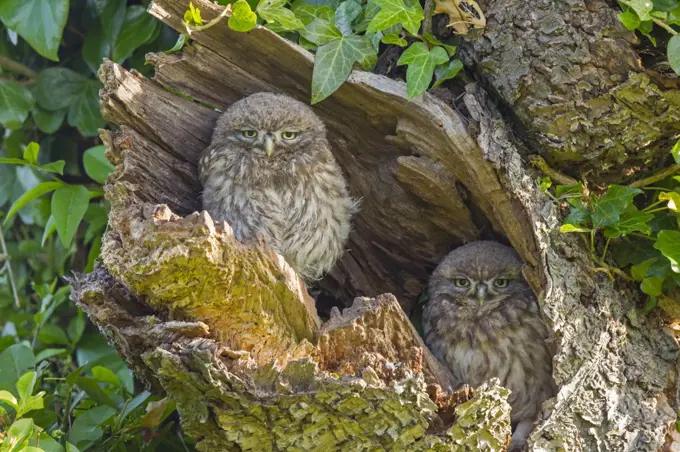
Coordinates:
205 161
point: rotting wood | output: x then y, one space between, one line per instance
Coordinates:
318 392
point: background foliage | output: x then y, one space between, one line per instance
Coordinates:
62 388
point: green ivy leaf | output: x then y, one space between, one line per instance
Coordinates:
39 22
334 61
639 271
69 204
675 152
665 5
30 195
87 426
97 166
608 208
668 242
393 12
345 15
16 101
31 153
53 167
242 18
573 228
307 13
641 7
320 32
57 87
448 71
421 63
674 53
630 20
275 11
394 39
137 29
15 361
652 286
46 120
429 37
84 113
578 214
630 222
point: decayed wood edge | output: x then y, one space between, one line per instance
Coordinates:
426 126
616 372
227 400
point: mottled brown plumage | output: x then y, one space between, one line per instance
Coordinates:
482 321
269 169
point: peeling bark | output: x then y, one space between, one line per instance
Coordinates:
228 330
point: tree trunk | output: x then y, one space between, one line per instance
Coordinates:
228 330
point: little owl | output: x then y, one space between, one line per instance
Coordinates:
482 321
269 169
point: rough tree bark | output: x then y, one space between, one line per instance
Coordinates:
227 329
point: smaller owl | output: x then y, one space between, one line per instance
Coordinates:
482 321
269 169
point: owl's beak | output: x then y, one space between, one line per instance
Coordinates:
269 146
480 293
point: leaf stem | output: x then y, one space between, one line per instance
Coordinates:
654 204
427 21
8 264
664 25
561 178
661 175
225 12
604 253
18 68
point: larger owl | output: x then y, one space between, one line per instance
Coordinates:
269 169
482 321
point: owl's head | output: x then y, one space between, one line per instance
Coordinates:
479 277
270 126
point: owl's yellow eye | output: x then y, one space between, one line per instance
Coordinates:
501 283
249 133
461 282
289 135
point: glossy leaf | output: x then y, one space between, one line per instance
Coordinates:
673 51
393 12
634 221
16 101
608 208
39 22
137 29
345 14
668 242
97 166
86 427
15 361
58 87
573 228
275 12
69 204
48 121
320 32
421 63
84 113
242 18
447 71
30 195
334 61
